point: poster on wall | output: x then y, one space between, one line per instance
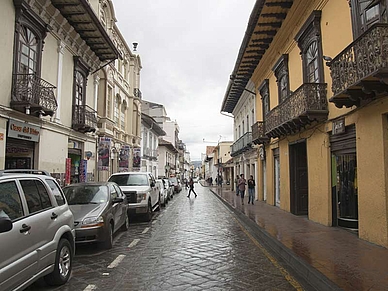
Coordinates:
83 170
124 158
136 159
68 171
103 153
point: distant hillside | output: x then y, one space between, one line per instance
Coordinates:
197 164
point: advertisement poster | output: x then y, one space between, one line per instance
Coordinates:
83 170
103 153
68 171
124 158
136 159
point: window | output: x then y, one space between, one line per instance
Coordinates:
10 203
243 127
81 71
366 13
30 33
109 102
56 191
122 116
309 42
36 195
117 110
281 72
264 92
253 116
248 129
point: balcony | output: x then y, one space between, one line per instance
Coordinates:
360 72
150 154
137 93
241 145
304 106
258 133
33 95
84 119
105 126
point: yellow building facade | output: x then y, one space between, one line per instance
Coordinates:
321 106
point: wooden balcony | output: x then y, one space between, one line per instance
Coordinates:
304 106
84 119
241 145
258 133
360 72
33 95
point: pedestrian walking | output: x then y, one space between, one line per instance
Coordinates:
236 182
191 185
251 189
241 187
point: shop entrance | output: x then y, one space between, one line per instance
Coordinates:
344 179
19 154
75 156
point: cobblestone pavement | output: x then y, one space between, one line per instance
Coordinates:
192 244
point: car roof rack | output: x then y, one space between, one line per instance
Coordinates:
24 171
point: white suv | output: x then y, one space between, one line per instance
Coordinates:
141 191
36 231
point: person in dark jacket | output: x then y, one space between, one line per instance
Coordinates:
191 185
251 189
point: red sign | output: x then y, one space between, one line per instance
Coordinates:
68 171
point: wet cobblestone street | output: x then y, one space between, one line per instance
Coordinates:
191 244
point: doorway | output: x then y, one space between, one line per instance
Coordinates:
299 178
277 176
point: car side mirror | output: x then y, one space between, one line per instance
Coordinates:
5 224
118 200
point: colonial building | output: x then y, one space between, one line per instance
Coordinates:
319 73
151 132
167 159
118 102
51 53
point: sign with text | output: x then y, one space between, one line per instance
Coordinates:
25 131
68 171
338 126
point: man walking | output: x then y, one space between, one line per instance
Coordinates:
241 187
251 189
191 185
236 182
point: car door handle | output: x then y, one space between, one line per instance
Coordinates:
53 215
25 228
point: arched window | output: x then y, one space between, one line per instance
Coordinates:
122 115
29 51
116 111
312 63
281 72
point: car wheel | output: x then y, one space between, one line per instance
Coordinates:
125 226
63 264
148 215
108 243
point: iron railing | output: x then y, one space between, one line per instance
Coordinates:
84 118
362 58
308 102
258 133
34 92
242 144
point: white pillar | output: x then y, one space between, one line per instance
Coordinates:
61 46
96 83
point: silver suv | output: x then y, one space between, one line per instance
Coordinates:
141 191
36 231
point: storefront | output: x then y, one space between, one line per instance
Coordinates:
344 175
75 163
20 145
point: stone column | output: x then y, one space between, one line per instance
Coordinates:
61 46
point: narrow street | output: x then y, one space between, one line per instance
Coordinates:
191 244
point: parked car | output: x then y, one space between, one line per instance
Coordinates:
176 184
141 191
99 209
37 233
170 188
163 195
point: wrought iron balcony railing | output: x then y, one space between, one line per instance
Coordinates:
258 133
84 118
242 144
33 95
359 72
307 104
137 93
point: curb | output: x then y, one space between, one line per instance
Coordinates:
308 273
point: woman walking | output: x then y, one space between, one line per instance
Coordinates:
251 189
241 187
191 185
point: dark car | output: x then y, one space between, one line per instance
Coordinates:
176 184
99 209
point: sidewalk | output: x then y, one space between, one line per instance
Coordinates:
347 262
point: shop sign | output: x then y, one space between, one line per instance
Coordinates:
83 170
23 131
338 126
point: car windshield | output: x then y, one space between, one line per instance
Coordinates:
86 194
173 181
130 180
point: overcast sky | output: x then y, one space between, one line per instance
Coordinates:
188 51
